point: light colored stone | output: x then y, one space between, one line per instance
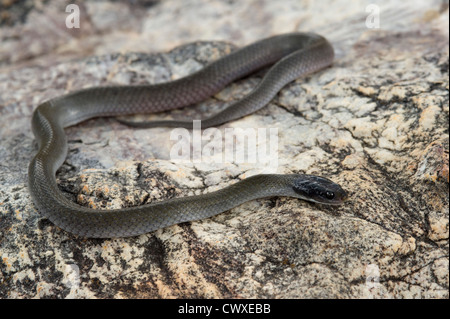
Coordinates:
376 122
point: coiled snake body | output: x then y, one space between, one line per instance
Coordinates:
293 55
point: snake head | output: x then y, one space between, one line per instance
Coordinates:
319 190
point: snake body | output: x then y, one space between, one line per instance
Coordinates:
292 56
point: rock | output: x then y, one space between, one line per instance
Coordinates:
376 122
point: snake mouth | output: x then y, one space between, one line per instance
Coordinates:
345 197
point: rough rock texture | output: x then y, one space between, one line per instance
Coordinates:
376 122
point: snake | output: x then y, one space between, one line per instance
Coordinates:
287 57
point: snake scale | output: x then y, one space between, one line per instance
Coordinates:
292 55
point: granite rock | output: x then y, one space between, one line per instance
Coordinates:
376 122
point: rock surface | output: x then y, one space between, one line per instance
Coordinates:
376 122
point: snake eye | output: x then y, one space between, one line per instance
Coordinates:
329 195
